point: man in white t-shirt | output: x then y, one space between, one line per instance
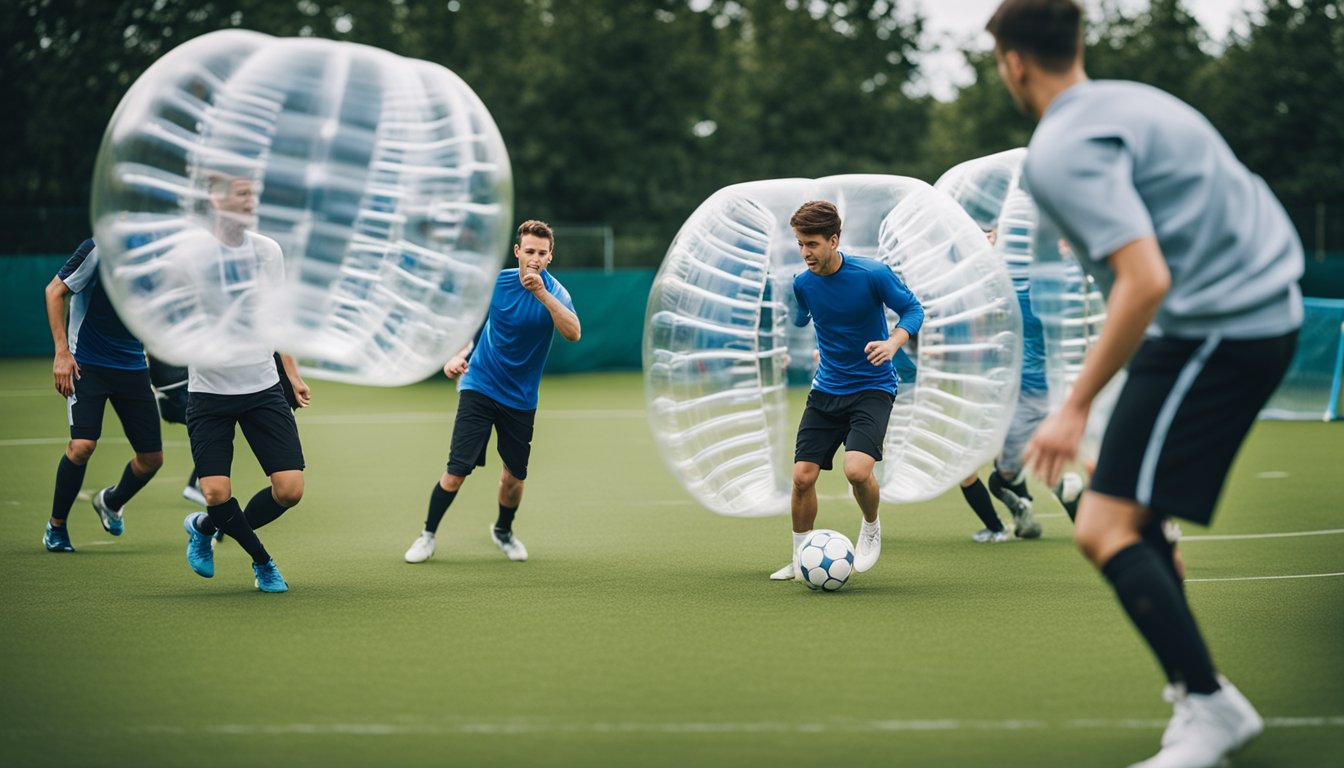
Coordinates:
246 393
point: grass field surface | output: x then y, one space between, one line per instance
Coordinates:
642 631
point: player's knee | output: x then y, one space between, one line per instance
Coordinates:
510 488
288 491
79 451
1089 543
858 475
804 479
147 463
216 489
450 482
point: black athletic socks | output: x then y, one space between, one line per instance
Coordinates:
126 488
978 498
504 524
1154 534
229 518
263 509
69 479
1154 602
439 501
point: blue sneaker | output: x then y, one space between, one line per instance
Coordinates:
200 548
110 518
57 539
269 578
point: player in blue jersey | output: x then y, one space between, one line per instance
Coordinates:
498 383
97 361
1008 482
845 298
1200 265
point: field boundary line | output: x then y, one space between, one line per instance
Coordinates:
1250 536
692 728
1267 578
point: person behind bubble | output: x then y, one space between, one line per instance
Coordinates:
844 297
245 393
499 379
97 360
1007 481
170 389
1199 263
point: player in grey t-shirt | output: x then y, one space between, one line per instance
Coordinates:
1200 266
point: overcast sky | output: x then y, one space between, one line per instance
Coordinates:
953 24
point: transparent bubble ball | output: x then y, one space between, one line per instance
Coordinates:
718 343
383 180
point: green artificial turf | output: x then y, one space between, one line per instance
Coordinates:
642 631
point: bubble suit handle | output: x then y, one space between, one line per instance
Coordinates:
383 180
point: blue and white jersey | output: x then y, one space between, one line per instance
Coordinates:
847 311
96 334
515 342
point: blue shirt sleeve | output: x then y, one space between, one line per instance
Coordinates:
801 314
80 270
900 300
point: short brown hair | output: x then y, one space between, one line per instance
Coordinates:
817 217
536 228
1047 31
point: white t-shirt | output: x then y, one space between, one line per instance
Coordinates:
242 270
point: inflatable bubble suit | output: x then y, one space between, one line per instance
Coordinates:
717 340
383 179
1061 295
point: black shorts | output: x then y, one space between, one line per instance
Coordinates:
170 387
858 420
1181 417
267 422
132 398
476 414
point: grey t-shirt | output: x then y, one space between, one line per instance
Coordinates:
1113 161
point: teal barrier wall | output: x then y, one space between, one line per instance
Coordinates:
610 306
611 311
23 313
1324 278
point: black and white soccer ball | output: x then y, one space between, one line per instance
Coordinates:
826 559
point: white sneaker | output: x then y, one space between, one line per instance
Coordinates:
193 494
789 572
1174 694
986 536
1024 521
509 544
1205 729
869 546
421 549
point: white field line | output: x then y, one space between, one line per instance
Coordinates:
1248 536
519 726
50 391
306 420
1268 578
23 442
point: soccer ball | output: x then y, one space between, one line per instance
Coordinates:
826 559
